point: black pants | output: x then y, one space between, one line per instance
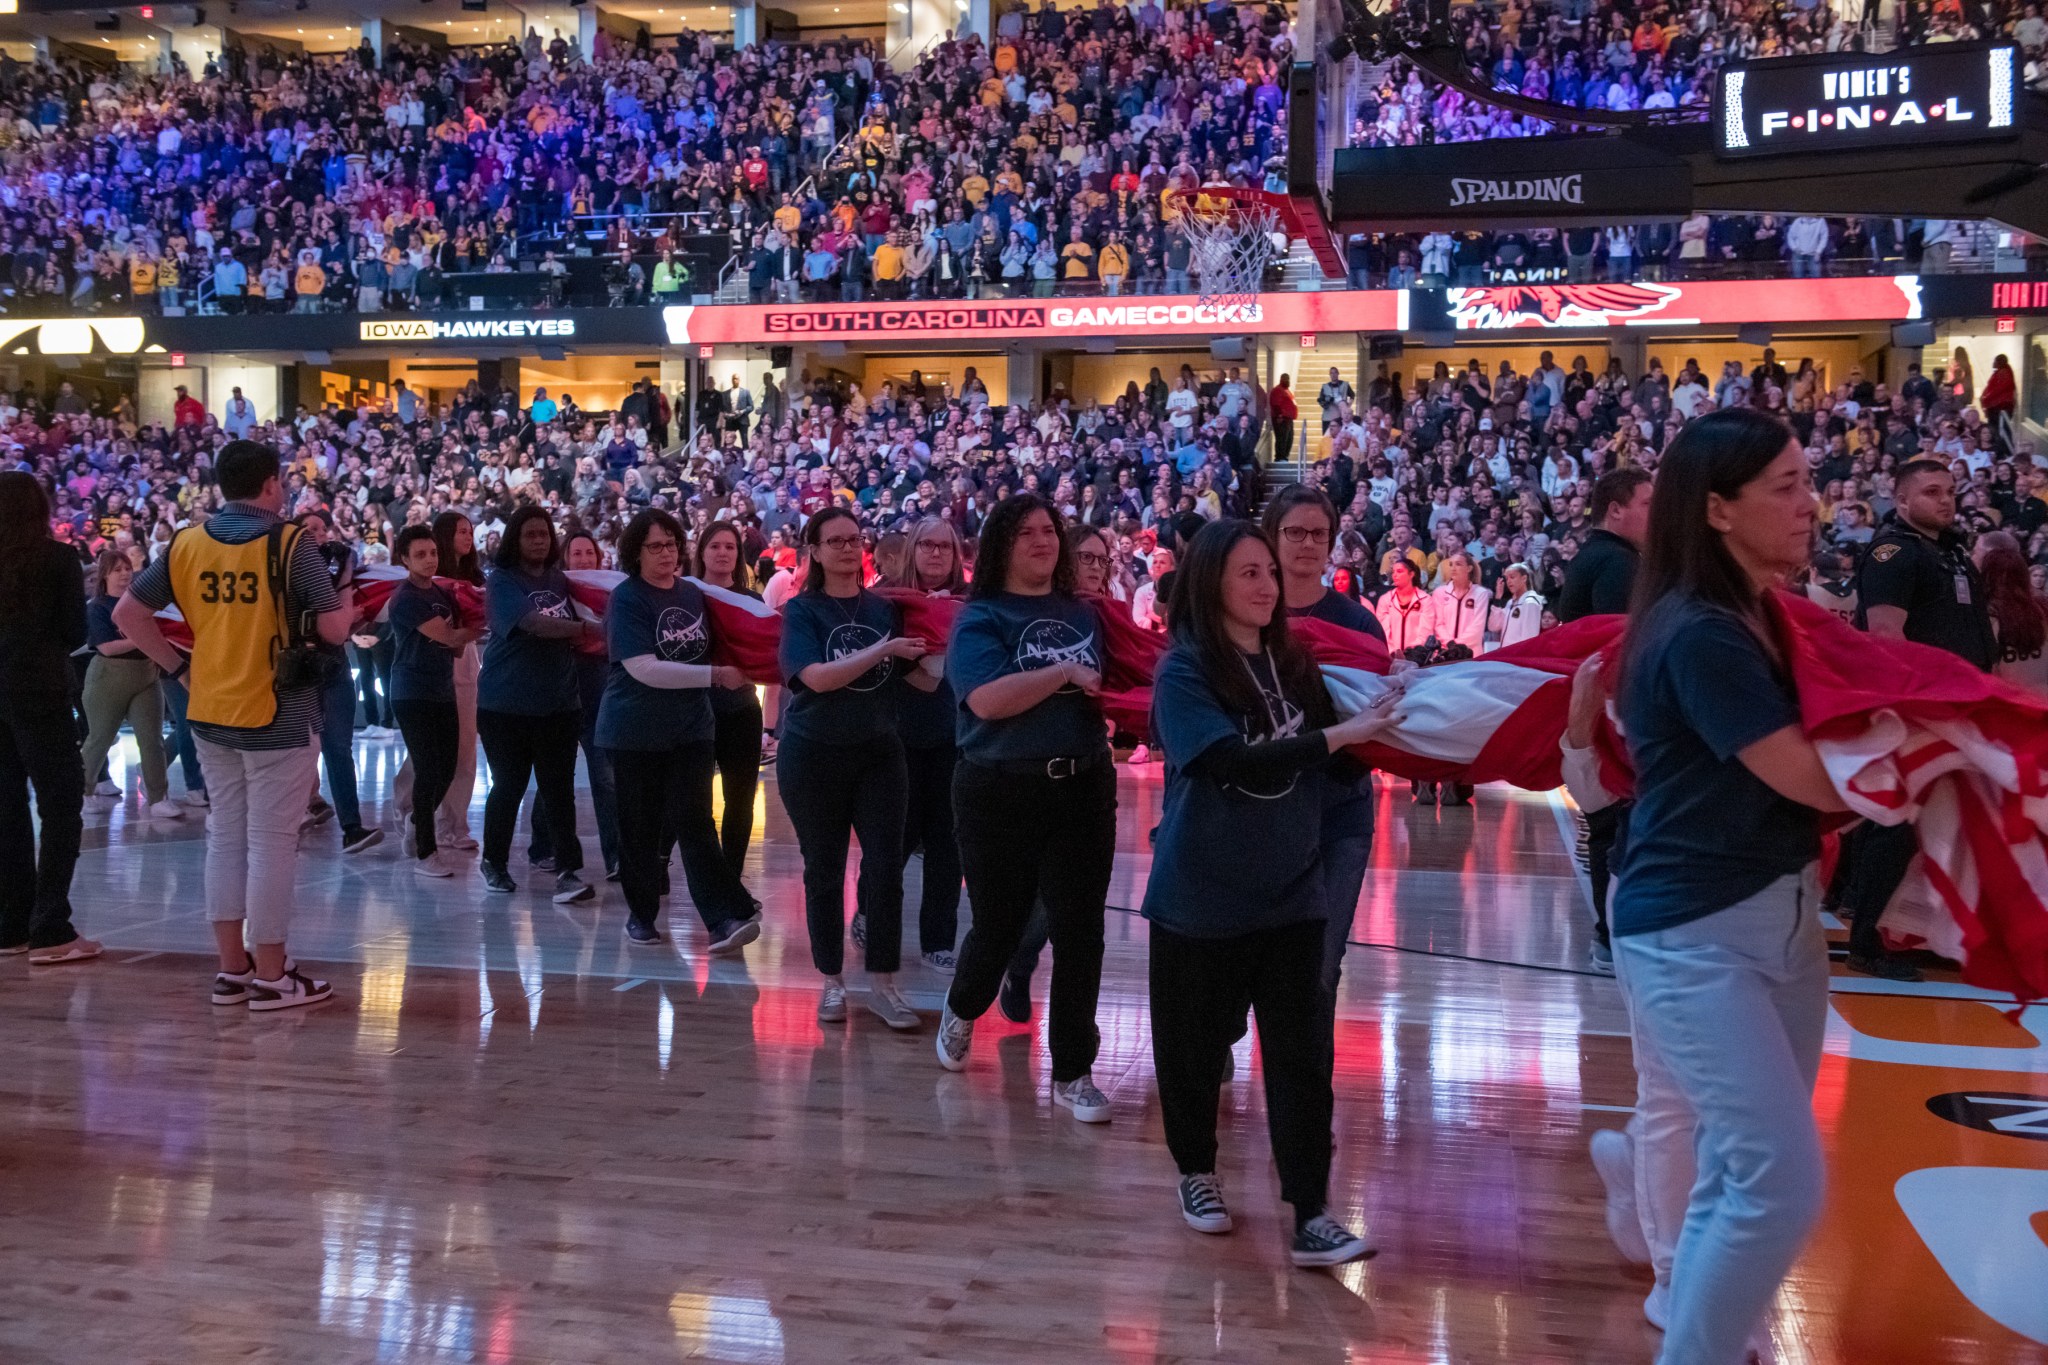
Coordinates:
832 792
1201 989
381 655
664 795
737 752
1879 856
1601 827
38 749
1283 437
1023 836
432 737
537 748
928 824
1024 961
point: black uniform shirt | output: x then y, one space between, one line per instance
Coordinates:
1933 581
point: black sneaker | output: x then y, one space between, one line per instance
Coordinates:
541 864
497 879
570 888
357 839
1322 1240
1884 968
646 935
733 935
1014 999
611 874
1201 1203
232 988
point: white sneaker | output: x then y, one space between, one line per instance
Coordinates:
106 788
456 839
1080 1095
889 1007
832 1004
1657 1307
432 865
955 1036
196 800
289 991
1142 754
941 962
166 809
1614 1158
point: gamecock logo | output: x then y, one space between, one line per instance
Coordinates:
1555 305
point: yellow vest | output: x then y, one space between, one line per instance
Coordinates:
224 593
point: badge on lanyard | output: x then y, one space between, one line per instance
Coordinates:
1962 589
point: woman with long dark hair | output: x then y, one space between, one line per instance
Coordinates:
1034 796
2019 614
1717 936
735 711
529 713
655 722
840 765
1237 897
580 551
932 561
42 619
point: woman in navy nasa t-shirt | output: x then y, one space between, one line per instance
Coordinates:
840 765
655 723
1237 897
1034 797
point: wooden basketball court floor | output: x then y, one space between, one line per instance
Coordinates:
512 1138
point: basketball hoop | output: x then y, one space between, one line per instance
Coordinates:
1233 236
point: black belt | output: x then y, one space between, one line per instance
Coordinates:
1059 769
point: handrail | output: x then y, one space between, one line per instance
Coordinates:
804 189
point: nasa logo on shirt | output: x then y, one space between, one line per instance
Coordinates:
679 635
1050 643
1285 720
550 603
852 638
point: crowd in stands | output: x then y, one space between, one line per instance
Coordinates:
1460 474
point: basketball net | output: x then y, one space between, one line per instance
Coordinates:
1231 242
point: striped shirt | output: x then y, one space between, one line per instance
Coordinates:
298 708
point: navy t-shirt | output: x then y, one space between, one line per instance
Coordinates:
1347 780
100 627
523 674
816 629
669 623
994 637
1705 832
1229 860
421 669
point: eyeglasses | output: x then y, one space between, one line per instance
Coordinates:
839 543
1305 535
1091 558
651 546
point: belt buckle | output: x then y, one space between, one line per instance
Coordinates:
1054 770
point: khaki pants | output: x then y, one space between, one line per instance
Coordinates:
125 689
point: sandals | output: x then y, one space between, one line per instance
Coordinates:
78 950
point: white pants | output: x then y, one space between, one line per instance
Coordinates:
1661 1134
258 798
1735 1006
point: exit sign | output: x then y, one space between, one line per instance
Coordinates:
177 360
2008 325
1308 341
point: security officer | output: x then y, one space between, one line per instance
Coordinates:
1916 583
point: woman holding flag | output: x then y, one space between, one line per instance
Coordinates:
735 711
1238 895
1034 797
1300 523
655 723
1717 934
840 765
932 562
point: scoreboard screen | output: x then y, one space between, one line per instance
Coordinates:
1946 93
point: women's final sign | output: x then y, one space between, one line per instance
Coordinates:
1136 317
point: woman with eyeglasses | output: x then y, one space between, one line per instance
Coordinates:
1090 550
655 722
593 669
735 711
1301 523
840 767
931 561
1236 897
1034 798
